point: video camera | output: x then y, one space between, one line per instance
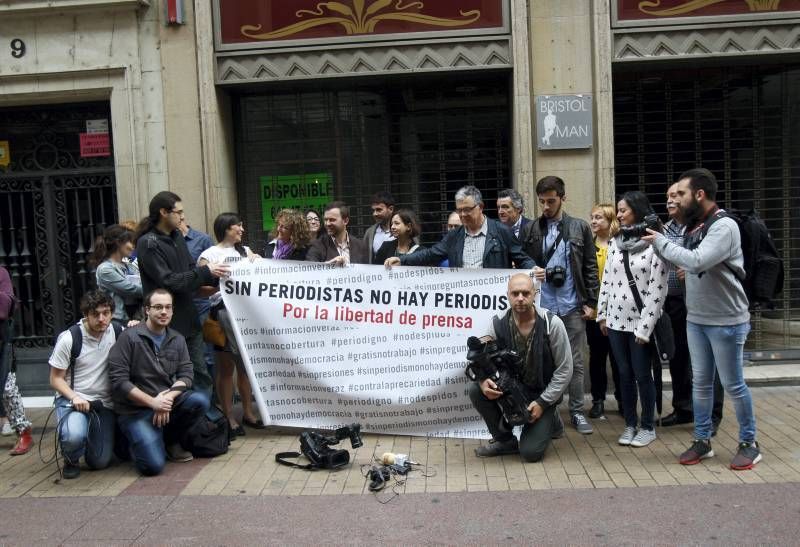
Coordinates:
502 366
317 446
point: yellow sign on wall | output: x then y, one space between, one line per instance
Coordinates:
5 153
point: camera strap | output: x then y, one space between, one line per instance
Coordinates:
631 282
550 252
281 459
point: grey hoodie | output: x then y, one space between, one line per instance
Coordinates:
714 296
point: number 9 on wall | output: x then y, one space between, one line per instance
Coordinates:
17 48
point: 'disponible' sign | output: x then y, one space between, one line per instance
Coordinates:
564 121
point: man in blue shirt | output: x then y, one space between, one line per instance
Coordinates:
197 242
564 246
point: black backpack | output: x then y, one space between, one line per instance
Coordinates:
763 266
207 437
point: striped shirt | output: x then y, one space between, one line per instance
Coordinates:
474 246
675 233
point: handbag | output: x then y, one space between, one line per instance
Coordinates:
663 338
213 333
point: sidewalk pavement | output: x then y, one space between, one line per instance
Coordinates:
573 462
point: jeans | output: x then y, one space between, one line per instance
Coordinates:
208 349
146 442
721 348
599 353
89 435
634 361
535 436
202 379
576 331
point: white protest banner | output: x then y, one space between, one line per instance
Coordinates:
327 346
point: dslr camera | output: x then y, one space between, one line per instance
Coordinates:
317 446
502 366
635 231
556 275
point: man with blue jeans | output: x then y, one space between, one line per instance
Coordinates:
85 429
717 316
151 378
564 246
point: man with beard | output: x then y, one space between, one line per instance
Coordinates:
382 210
564 246
717 319
541 341
679 366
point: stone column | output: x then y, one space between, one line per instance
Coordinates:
522 123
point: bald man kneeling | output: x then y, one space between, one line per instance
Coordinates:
541 341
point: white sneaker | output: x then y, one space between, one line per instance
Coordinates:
7 431
627 436
644 437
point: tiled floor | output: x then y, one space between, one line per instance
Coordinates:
575 461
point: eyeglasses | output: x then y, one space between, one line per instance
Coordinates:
161 307
312 219
466 210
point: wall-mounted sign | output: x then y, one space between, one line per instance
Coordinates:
301 192
267 20
5 153
632 12
94 145
97 126
564 121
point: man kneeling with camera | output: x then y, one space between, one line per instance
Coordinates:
521 370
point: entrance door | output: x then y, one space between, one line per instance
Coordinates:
56 197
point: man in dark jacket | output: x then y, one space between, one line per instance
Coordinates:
564 247
540 340
151 379
165 263
338 247
510 208
480 242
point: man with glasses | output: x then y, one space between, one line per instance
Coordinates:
480 242
165 263
151 381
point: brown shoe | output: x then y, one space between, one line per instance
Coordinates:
24 443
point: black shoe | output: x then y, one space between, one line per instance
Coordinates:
498 448
676 418
71 471
597 410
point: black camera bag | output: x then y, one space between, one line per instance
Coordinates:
207 438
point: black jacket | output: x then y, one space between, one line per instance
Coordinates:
324 249
296 254
502 250
582 253
389 249
165 263
134 362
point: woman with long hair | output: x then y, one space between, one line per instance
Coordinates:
228 231
629 329
604 224
290 238
314 223
116 274
405 228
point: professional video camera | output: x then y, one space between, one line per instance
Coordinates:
640 228
317 448
502 366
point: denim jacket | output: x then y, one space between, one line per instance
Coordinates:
581 252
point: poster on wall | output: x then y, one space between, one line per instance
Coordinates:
326 346
94 145
564 122
301 192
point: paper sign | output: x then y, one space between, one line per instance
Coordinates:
95 145
97 126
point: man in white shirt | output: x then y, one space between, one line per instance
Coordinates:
83 390
383 206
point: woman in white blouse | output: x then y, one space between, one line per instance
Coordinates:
629 330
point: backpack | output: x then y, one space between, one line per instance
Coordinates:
207 437
762 263
77 345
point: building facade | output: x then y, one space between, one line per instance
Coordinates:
254 106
